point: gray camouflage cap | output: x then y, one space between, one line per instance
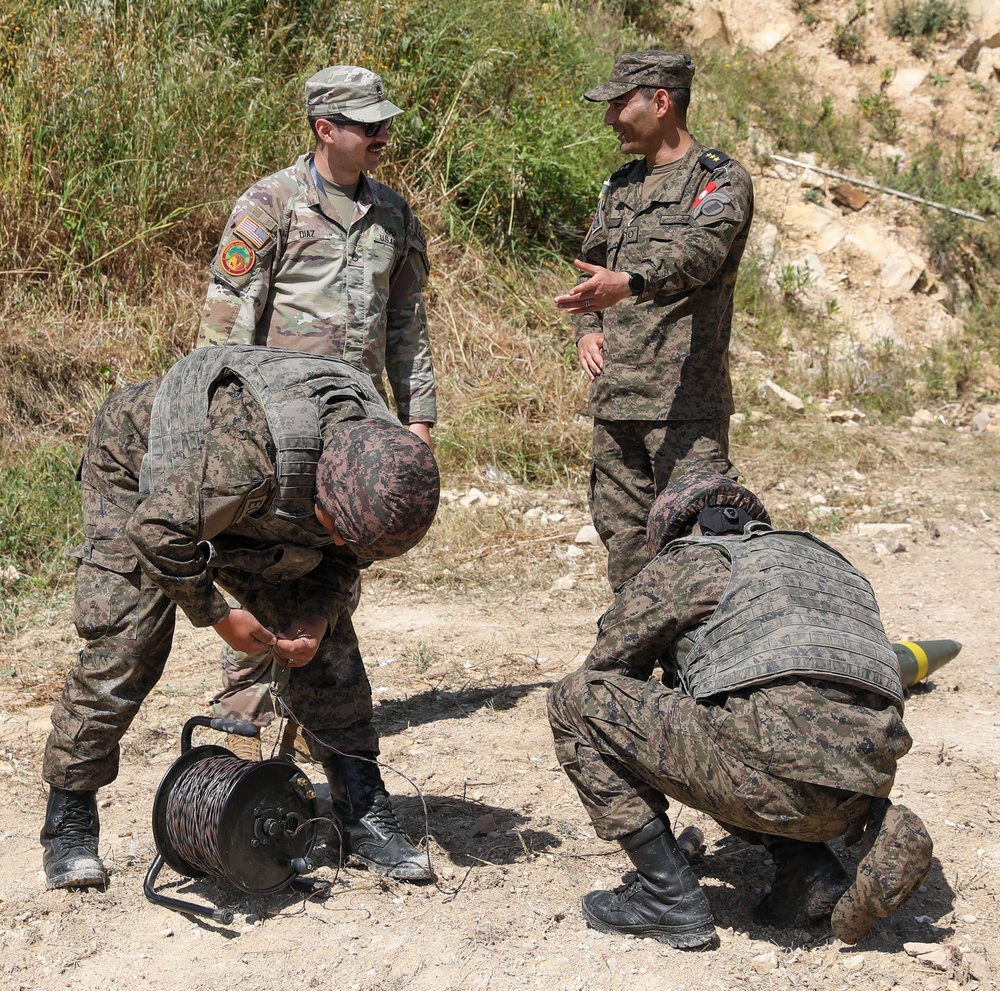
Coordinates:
677 507
380 484
664 70
348 91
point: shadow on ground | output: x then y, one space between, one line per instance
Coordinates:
395 715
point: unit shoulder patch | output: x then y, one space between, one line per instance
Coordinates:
713 205
237 258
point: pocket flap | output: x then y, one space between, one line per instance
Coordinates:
110 553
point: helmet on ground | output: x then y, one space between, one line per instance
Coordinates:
678 506
380 484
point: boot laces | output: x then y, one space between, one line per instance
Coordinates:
624 893
76 820
381 814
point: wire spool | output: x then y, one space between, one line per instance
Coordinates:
251 823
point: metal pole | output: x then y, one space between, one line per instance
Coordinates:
881 189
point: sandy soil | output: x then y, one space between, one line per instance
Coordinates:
460 667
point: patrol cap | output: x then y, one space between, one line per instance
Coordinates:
664 70
677 507
348 91
380 484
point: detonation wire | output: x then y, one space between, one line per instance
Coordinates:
194 811
284 711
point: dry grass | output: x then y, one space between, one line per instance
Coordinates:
511 391
57 365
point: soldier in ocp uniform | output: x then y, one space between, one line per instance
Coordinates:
779 713
322 258
652 312
277 476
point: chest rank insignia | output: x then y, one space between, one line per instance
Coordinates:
237 258
256 502
252 232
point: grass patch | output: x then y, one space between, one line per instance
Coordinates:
920 21
40 521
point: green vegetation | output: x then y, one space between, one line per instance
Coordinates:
849 39
920 21
127 129
965 254
39 521
884 117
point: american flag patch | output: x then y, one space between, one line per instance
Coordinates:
251 231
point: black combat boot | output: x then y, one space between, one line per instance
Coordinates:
664 902
365 826
69 839
808 881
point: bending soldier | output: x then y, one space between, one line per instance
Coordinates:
779 714
295 459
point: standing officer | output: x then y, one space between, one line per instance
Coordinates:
653 309
322 258
277 476
779 714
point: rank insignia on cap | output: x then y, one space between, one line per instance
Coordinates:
251 231
237 258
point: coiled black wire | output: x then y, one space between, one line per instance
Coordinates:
194 811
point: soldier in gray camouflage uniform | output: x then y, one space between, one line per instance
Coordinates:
653 309
779 713
322 258
276 476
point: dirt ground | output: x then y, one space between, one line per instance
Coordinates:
462 644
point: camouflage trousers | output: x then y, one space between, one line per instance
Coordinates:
127 624
248 679
629 746
632 461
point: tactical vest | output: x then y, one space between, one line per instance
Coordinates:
793 606
291 388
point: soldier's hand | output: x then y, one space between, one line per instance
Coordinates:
297 645
590 348
604 288
423 431
241 631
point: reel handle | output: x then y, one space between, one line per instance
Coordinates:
238 726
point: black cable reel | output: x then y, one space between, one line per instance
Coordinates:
251 823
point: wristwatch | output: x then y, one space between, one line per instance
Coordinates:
636 283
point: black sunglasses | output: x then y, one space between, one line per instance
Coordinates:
370 129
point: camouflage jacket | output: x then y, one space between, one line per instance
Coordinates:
848 738
287 274
228 487
736 611
666 351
